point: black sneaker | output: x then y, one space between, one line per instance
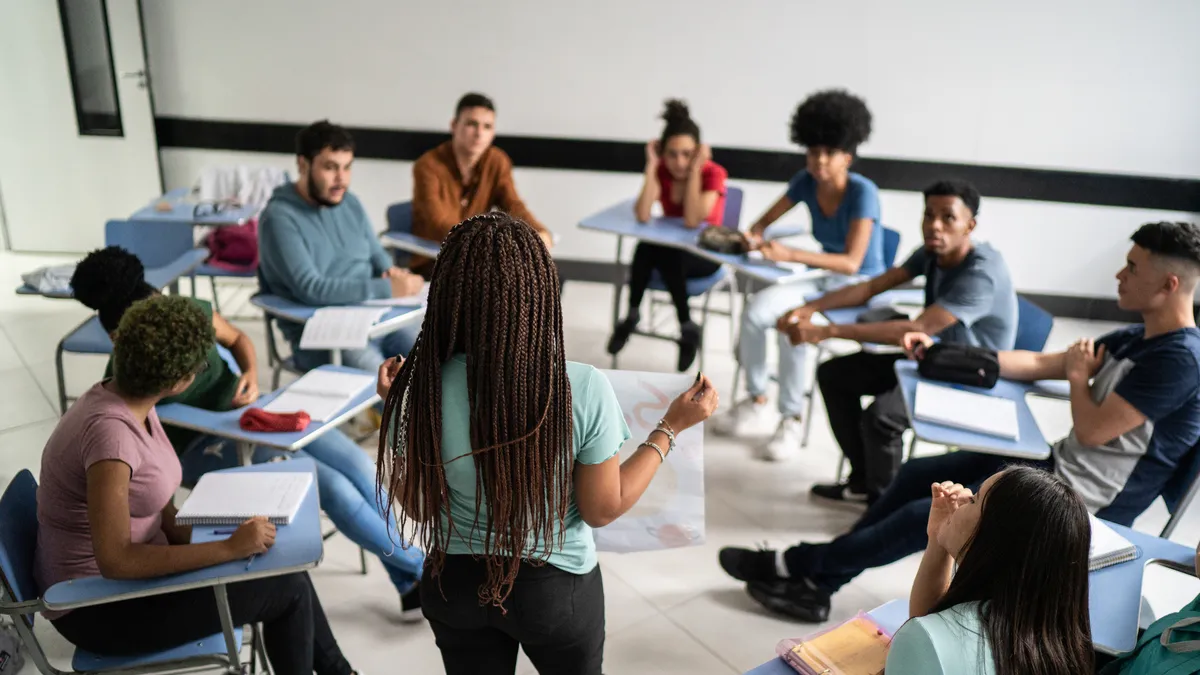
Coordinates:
690 337
841 492
621 334
800 599
410 605
744 564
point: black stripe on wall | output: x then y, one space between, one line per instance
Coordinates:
1071 187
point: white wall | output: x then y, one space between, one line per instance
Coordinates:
1100 85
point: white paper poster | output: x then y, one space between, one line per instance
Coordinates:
671 512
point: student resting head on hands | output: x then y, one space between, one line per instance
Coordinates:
681 175
505 455
1018 602
105 508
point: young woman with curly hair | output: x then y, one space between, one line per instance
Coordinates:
105 508
844 206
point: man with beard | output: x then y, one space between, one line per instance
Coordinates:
317 247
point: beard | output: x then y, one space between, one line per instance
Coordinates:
316 193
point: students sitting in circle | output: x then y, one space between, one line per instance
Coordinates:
105 508
110 280
680 175
1018 601
317 247
844 206
464 177
504 454
1135 405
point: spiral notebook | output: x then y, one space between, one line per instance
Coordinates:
1108 548
233 498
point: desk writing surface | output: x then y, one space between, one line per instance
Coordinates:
158 277
396 317
410 243
183 209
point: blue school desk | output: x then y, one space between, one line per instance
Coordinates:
410 243
396 318
183 209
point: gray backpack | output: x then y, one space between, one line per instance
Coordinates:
11 656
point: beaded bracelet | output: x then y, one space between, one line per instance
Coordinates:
657 449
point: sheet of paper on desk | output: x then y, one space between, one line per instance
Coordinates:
420 299
990 415
340 327
670 513
320 393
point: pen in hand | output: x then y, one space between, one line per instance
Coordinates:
700 394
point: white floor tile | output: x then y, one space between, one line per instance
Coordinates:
21 400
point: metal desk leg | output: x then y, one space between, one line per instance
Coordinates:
227 626
618 284
245 453
335 357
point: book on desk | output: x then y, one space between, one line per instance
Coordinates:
970 411
221 498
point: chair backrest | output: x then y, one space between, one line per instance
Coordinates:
891 246
18 538
1033 326
400 217
1177 488
733 208
155 242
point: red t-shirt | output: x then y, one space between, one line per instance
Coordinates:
712 178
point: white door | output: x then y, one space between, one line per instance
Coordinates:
77 143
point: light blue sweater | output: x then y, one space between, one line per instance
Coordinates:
320 255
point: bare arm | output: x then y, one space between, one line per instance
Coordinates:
605 491
237 342
1027 366
176 534
116 555
697 203
857 241
780 207
932 321
651 190
932 580
1098 424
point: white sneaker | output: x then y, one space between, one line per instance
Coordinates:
746 418
785 444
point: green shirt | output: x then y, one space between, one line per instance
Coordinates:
213 389
951 642
599 429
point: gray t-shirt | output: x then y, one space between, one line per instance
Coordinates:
978 292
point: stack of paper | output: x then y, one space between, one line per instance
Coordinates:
320 393
1108 547
340 327
991 415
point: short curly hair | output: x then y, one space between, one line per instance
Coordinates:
832 119
160 341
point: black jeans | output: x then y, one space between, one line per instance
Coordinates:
555 616
894 526
296 633
675 267
872 439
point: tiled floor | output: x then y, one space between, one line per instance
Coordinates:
668 612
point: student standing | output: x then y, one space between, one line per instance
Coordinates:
680 175
505 455
844 206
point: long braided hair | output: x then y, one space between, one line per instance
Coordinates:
494 298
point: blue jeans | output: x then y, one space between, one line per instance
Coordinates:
894 526
397 343
346 487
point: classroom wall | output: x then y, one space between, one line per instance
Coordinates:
1103 86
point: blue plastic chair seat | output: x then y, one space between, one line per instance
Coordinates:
207 270
213 645
89 338
695 286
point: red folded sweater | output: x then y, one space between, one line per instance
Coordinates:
257 419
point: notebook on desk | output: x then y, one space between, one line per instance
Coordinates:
1108 548
320 393
989 415
233 498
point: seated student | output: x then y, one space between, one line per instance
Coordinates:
1135 422
681 175
464 177
110 280
844 206
505 456
969 299
993 599
104 508
317 248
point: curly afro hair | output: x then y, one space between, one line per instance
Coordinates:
160 341
832 119
109 280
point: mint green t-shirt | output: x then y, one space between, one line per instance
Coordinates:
600 431
950 642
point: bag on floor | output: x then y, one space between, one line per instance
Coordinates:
12 659
1170 646
960 364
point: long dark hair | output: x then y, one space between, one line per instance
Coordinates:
494 298
1027 566
679 123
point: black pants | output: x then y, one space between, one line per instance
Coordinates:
675 267
895 525
296 633
871 439
555 616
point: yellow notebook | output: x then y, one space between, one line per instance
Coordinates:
856 647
